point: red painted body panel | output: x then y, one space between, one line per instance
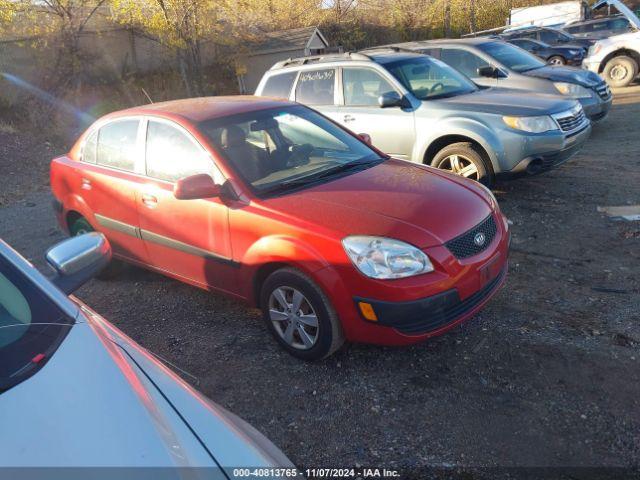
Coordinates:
303 229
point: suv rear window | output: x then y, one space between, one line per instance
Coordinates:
31 327
315 87
279 86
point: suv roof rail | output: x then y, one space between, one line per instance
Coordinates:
389 48
328 57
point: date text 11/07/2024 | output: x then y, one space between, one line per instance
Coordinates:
316 473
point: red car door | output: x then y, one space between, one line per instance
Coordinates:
186 238
108 182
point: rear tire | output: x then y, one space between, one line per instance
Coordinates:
299 315
80 226
556 60
620 71
465 160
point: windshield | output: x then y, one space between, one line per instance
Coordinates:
286 148
428 78
512 57
31 327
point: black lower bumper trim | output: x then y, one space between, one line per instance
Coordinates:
428 314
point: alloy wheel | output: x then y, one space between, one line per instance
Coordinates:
555 61
459 165
293 318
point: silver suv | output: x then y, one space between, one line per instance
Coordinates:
418 108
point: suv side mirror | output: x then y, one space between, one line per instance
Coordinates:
78 259
196 187
391 99
490 72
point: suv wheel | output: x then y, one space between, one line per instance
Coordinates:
464 160
298 314
80 226
556 60
620 71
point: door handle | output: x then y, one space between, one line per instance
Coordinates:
85 184
349 118
149 200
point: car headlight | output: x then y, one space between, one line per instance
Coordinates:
540 124
572 90
385 258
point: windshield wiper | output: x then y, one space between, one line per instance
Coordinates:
309 179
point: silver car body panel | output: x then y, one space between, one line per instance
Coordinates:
102 400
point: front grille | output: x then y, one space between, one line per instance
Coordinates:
603 91
465 245
571 120
451 309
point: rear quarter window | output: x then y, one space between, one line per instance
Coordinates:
89 148
117 144
279 86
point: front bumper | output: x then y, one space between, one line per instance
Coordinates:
597 108
434 313
544 152
413 309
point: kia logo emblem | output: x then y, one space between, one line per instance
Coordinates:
479 239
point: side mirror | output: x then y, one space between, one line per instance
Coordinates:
391 99
195 187
365 137
488 71
78 259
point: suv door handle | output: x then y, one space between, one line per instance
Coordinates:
149 200
85 184
348 118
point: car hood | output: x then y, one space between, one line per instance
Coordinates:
98 403
398 199
621 7
500 101
585 78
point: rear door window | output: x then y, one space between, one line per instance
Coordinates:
117 144
279 86
316 87
172 154
31 327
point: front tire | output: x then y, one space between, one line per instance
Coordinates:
465 160
556 60
299 315
620 71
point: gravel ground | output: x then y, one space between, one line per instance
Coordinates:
547 375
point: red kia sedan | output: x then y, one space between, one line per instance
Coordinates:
273 203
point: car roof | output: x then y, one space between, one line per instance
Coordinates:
598 20
381 55
460 41
204 108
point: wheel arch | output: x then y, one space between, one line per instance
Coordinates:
273 253
634 54
443 141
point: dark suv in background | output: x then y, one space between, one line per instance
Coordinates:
552 54
551 36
